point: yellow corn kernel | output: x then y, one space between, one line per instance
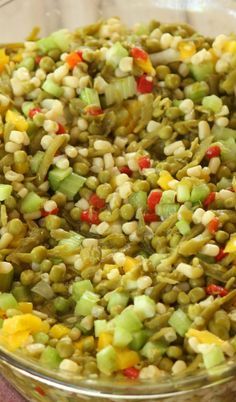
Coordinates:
45 327
80 344
231 245
17 57
204 337
146 66
230 46
4 59
186 49
58 331
126 358
130 263
164 180
105 339
25 307
13 342
108 267
214 56
17 120
21 323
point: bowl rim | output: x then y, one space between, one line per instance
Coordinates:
116 388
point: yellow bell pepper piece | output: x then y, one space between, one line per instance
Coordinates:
21 323
164 180
80 344
17 120
4 59
145 65
230 46
204 337
186 49
13 342
126 358
25 307
231 245
108 267
130 263
105 339
58 331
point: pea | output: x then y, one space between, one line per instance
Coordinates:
108 216
10 202
41 337
52 222
81 168
127 212
165 132
172 81
54 54
104 176
166 364
174 352
183 298
27 277
103 190
162 71
57 273
65 349
229 227
39 119
75 213
15 227
153 45
170 297
60 288
83 136
38 254
92 182
45 265
47 64
221 236
61 304
152 180
141 185
197 294
199 282
60 199
173 113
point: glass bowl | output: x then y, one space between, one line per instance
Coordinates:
35 383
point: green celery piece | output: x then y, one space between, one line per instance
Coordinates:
144 306
139 339
115 53
52 88
224 183
71 185
56 176
117 299
199 192
46 44
107 360
26 107
90 97
212 102
85 304
183 227
120 89
36 161
72 242
79 287
196 91
31 203
152 350
223 133
50 358
183 192
128 320
166 210
5 191
228 149
168 197
100 326
202 71
138 199
122 337
62 38
213 356
28 62
180 322
7 300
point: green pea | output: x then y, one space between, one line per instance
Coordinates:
153 45
170 297
39 119
197 294
41 337
61 304
38 254
174 352
45 265
152 180
162 71
166 364
10 202
54 54
65 349
92 182
47 64
52 222
141 185
15 227
104 176
103 190
108 216
27 277
221 236
229 227
165 132
81 168
75 213
127 212
183 298
172 81
57 273
173 113
60 199
60 288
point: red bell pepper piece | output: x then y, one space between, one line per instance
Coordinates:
209 199
213 151
131 372
126 170
34 111
96 201
52 212
150 217
90 216
145 84
216 290
61 129
144 162
139 54
221 255
213 225
153 199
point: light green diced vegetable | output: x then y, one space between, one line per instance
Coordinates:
212 102
56 176
168 197
36 161
100 326
86 303
115 53
52 88
138 199
183 192
119 90
183 227
196 91
26 107
46 44
80 287
199 192
73 242
31 203
152 350
156 258
5 191
71 185
90 97
180 322
7 300
50 358
117 299
106 360
63 39
144 306
202 71
166 210
213 356
128 320
122 337
139 339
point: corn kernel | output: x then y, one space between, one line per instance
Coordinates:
231 245
186 49
17 120
130 263
25 307
164 180
204 337
58 331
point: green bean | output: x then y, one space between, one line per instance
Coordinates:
48 157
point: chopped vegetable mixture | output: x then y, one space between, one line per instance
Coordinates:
118 198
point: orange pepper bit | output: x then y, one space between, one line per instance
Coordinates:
126 358
74 58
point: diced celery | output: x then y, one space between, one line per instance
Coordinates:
41 337
36 161
31 203
56 176
224 183
156 258
71 185
122 337
5 191
139 339
166 210
122 88
223 133
199 192
202 71
144 306
7 301
168 197
90 97
183 192
183 227
86 303
62 39
28 62
138 199
115 53
212 102
72 242
46 44
196 91
26 107
43 289
228 150
80 287
61 304
128 320
180 322
213 356
152 350
100 326
52 88
117 299
107 360
50 358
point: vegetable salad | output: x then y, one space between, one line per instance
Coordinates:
117 214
